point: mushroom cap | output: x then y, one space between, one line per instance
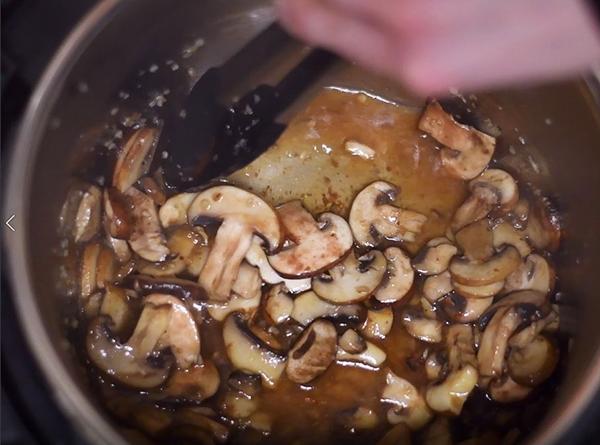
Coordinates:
398 278
317 245
225 202
373 218
352 280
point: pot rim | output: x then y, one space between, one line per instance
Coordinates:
82 413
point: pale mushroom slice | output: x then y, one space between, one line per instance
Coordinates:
503 182
257 257
117 214
315 246
465 310
533 363
106 267
196 384
460 343
116 305
147 238
135 158
435 257
88 215
485 291
549 323
371 356
373 218
398 278
351 342
482 200
469 150
120 247
378 323
496 269
88 270
506 233
248 284
308 307
278 304
249 354
219 310
450 395
535 273
408 406
243 214
437 286
476 241
421 327
174 212
313 352
352 280
543 226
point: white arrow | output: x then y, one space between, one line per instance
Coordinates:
8 223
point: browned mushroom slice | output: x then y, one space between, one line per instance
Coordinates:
485 291
151 188
494 341
435 257
470 150
379 323
316 245
117 307
184 289
146 239
476 241
535 273
135 158
373 218
420 327
460 341
477 206
505 233
352 342
168 268
88 271
506 390
196 383
358 419
372 356
313 352
436 365
465 310
242 214
398 278
220 310
278 305
503 182
191 245
543 226
436 286
257 257
533 363
174 212
494 270
308 307
117 214
249 354
204 419
120 247
352 280
450 395
88 216
106 265
527 335
408 406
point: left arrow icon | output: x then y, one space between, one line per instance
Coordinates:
8 223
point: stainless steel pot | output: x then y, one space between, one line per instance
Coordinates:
559 123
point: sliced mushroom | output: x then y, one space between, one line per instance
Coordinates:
436 286
242 214
494 341
174 212
409 407
238 406
316 245
106 265
450 395
379 323
183 289
151 188
398 278
196 383
117 307
485 291
88 216
429 310
146 239
434 259
313 352
470 150
465 310
88 271
503 182
398 434
135 158
534 363
247 384
506 390
477 206
494 270
259 421
528 334
248 283
535 273
436 365
353 280
420 327
279 305
505 233
203 419
308 307
460 342
257 257
476 241
373 218
120 247
220 310
189 244
352 342
372 356
117 216
543 226
249 354
359 419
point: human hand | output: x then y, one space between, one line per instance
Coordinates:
434 45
